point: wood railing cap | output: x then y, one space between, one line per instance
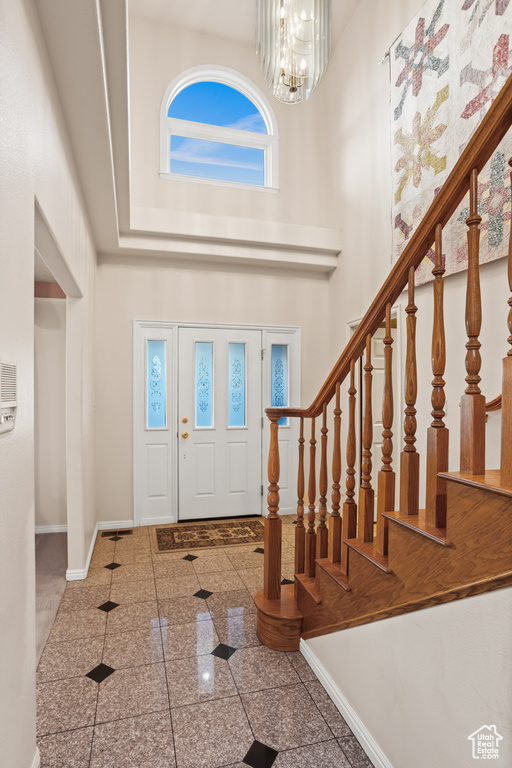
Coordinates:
479 149
278 413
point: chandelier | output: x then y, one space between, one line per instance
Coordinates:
294 43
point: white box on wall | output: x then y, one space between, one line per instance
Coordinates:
8 395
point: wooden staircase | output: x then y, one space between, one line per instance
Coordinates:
359 561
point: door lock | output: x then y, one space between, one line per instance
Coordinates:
184 420
184 434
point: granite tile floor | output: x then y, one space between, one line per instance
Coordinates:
153 662
51 564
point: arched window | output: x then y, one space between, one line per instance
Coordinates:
217 127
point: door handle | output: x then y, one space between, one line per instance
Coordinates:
184 434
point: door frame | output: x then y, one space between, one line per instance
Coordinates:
139 384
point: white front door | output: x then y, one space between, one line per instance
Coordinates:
219 423
220 379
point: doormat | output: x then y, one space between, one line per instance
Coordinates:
215 533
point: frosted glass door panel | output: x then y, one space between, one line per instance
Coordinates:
156 385
280 378
236 385
204 384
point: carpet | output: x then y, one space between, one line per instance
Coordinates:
446 69
214 533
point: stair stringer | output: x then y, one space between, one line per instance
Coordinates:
422 572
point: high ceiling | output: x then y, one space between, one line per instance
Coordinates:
88 55
233 19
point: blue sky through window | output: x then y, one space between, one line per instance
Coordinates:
215 160
217 104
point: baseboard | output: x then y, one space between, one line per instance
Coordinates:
356 725
157 520
105 525
78 575
51 529
112 525
36 762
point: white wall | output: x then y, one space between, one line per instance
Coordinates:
35 161
50 411
158 53
155 290
423 682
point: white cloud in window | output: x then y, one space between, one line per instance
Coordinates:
211 153
252 123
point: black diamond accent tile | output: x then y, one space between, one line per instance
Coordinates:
260 756
113 566
286 581
108 606
115 538
203 594
100 673
190 558
260 551
224 652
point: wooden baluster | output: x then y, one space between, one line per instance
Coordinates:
273 523
322 533
366 493
472 415
335 520
410 459
506 397
310 568
386 477
300 531
349 519
437 434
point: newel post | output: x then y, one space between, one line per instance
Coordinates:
273 523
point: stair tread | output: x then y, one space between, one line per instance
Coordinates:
444 596
284 607
367 550
490 481
311 587
416 523
334 570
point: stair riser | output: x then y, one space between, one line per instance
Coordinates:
480 525
420 567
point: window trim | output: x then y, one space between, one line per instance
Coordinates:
171 126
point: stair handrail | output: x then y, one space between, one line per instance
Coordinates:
479 149
493 405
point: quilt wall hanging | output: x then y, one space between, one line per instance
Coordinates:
446 69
